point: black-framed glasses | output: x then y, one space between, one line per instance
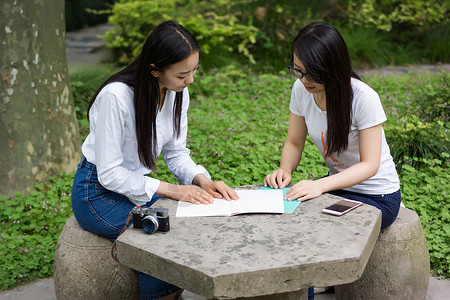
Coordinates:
299 74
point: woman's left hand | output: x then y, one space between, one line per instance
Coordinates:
304 190
219 189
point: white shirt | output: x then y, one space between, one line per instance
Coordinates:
367 112
112 146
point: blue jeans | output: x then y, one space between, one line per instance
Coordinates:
104 212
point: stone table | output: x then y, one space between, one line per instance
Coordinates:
255 254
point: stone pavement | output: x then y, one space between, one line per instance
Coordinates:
43 289
84 47
406 69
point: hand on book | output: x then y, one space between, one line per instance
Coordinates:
219 190
305 190
216 189
278 179
185 193
190 193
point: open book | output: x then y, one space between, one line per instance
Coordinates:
250 201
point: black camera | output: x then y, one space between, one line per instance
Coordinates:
151 219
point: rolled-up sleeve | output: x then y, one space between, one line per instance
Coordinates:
177 155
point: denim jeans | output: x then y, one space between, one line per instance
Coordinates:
104 212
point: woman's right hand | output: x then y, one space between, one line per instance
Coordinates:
278 179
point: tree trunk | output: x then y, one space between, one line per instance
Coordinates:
39 135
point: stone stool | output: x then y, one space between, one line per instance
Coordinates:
399 266
84 268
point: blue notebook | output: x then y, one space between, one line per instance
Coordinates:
289 206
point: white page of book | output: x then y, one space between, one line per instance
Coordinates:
250 201
220 207
258 201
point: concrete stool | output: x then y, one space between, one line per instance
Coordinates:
399 266
84 268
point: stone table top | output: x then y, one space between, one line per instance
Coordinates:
255 254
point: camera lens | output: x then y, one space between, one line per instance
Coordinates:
150 224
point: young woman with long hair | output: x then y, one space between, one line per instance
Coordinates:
344 117
136 115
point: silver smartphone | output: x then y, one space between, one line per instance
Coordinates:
341 207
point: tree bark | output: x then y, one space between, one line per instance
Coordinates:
39 135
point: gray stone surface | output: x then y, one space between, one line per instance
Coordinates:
252 255
84 268
399 266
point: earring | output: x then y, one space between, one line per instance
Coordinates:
155 73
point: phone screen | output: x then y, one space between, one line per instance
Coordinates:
338 207
341 207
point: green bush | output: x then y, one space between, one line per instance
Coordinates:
436 43
260 32
278 22
417 139
417 107
81 13
211 22
385 14
368 47
415 30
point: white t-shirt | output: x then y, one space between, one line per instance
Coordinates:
112 146
367 112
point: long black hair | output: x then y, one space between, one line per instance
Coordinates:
167 44
324 54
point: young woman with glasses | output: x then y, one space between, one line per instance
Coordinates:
344 117
136 115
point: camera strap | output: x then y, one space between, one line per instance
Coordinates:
113 247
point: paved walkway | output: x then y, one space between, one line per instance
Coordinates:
43 289
407 69
84 47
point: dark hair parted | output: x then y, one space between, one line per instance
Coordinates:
167 44
324 54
